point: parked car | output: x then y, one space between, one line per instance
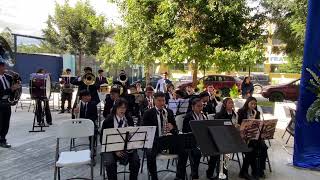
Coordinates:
258 80
153 80
288 91
220 82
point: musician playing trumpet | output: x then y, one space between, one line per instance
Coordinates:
166 137
67 90
118 119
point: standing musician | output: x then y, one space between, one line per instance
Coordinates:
226 112
87 109
119 119
100 79
122 81
111 100
166 137
259 148
212 93
46 106
66 92
195 153
6 89
93 89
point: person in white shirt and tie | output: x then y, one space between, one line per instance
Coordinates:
162 83
66 93
6 89
119 119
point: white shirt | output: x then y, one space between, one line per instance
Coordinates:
7 84
116 121
161 83
198 117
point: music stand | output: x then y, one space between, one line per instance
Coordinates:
218 137
129 138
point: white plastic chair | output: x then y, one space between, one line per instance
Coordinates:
218 107
74 128
179 121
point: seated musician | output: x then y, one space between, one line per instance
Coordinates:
166 137
111 100
226 112
133 108
139 88
93 89
100 79
169 93
66 93
118 119
212 93
249 111
39 110
195 153
148 102
208 106
87 109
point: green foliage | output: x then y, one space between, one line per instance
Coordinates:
234 92
76 29
42 48
290 18
7 35
200 85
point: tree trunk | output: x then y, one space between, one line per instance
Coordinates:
147 73
195 73
249 71
78 69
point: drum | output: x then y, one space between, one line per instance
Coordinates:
104 88
40 86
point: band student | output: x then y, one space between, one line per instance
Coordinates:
87 109
6 89
166 137
118 119
226 112
39 110
259 148
195 153
100 79
170 94
110 101
212 93
148 101
66 92
93 89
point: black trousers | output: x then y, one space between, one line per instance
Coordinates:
175 145
5 114
195 156
110 162
256 158
39 111
66 97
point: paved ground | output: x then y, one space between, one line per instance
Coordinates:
32 155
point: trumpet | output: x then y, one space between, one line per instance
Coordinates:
123 78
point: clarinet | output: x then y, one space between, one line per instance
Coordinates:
165 123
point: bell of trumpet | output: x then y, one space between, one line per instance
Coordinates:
89 79
123 78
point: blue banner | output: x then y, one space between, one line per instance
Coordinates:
307 133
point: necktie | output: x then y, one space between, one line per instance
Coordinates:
161 117
4 83
85 109
120 123
68 81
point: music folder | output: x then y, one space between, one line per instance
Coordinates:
216 137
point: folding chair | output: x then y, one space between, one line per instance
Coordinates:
179 121
211 116
291 126
74 128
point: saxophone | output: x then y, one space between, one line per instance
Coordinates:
165 123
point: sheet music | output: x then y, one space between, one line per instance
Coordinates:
173 105
250 128
112 140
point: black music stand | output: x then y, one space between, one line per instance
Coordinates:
218 137
123 139
42 114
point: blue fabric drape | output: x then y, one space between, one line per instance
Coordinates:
307 135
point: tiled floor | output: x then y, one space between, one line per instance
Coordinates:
32 156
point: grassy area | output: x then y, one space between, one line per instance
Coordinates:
266 104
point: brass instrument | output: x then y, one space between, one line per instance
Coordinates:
6 55
66 88
89 79
217 93
123 78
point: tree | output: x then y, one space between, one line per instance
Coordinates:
76 29
7 35
43 47
290 18
200 30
